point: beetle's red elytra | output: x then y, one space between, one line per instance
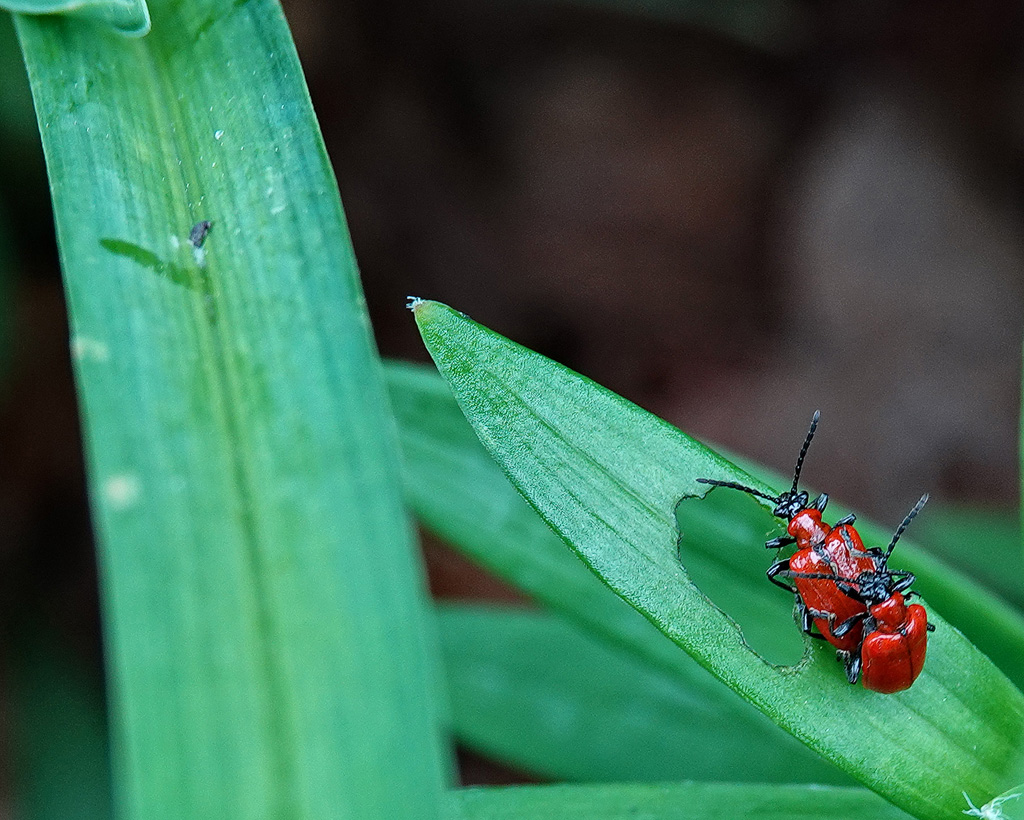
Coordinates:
892 655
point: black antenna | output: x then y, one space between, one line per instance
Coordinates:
803 450
903 526
732 486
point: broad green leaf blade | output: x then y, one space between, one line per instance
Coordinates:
266 622
607 476
59 736
130 17
456 488
533 690
672 801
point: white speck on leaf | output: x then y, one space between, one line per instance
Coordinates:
121 491
274 190
218 134
85 348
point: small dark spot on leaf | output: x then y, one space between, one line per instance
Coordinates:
197 236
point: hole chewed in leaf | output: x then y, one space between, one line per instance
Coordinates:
721 546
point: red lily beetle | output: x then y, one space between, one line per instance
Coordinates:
895 636
822 552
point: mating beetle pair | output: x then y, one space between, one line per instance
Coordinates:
846 592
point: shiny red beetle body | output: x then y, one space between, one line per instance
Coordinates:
893 637
846 592
892 655
822 549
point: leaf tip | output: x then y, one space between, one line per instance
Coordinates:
426 308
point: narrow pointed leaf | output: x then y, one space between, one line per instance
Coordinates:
531 689
672 801
607 476
266 623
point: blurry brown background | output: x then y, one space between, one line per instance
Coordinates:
732 213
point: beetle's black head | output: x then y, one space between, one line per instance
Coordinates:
874 586
790 504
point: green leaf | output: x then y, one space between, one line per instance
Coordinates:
534 690
672 801
130 17
607 476
266 621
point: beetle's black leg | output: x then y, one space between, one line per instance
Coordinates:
844 627
851 662
904 583
778 543
828 617
930 627
775 569
820 502
845 520
807 620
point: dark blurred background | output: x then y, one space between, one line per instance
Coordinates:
732 213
